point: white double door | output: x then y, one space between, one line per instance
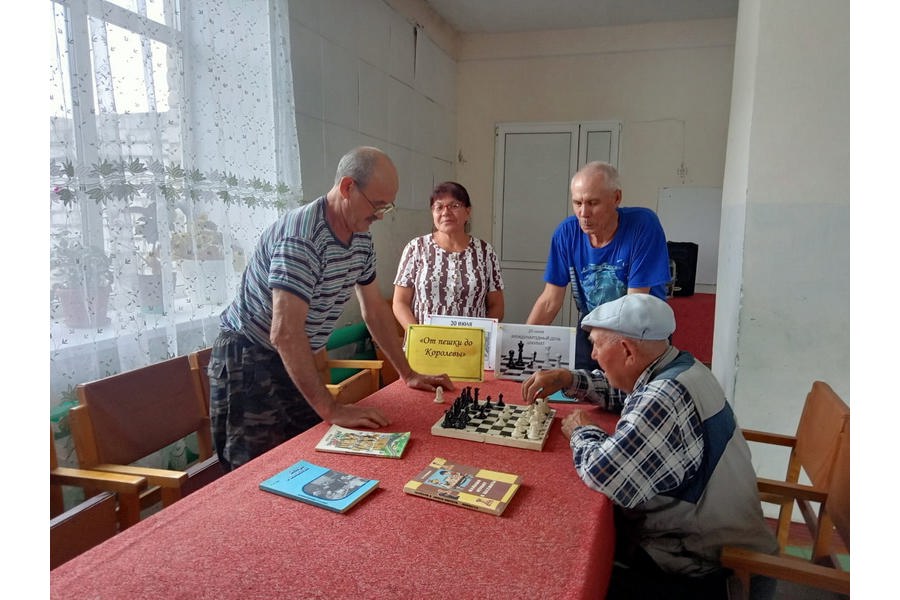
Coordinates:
533 164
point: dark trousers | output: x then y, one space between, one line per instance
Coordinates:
642 579
254 405
636 576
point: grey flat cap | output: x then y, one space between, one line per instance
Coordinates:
637 316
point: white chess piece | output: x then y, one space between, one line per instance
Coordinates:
439 395
519 432
534 432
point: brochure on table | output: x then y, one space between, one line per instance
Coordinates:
320 486
524 349
384 444
480 489
489 326
456 351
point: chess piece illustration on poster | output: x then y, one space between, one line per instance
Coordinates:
525 349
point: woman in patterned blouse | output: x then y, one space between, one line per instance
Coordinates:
448 272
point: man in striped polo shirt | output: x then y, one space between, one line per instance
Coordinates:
264 386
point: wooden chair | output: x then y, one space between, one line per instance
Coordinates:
199 361
816 447
111 505
822 572
124 418
352 389
813 449
357 386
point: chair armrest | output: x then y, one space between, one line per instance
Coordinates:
765 437
349 363
110 482
790 490
788 568
162 477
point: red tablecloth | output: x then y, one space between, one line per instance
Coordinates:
232 540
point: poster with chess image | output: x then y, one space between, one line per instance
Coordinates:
524 349
488 325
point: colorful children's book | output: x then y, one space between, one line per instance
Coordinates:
367 443
319 486
462 485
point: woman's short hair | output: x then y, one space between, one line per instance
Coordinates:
450 188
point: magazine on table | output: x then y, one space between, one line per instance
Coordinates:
320 486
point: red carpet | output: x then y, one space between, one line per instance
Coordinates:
694 318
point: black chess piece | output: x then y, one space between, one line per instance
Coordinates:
477 391
500 403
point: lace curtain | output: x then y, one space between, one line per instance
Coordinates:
173 144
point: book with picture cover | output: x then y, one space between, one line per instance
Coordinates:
470 487
366 443
320 486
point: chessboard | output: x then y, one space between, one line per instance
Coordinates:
469 419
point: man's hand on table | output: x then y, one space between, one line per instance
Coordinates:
573 420
351 415
429 383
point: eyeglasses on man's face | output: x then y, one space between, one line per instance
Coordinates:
378 210
439 207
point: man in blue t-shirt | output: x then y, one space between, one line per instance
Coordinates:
603 250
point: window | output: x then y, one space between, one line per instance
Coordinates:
173 145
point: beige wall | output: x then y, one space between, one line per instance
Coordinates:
783 303
669 85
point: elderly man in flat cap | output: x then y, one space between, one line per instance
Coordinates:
676 468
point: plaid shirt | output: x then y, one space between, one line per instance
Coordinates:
657 444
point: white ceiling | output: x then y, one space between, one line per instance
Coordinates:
496 16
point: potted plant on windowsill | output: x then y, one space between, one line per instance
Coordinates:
81 280
150 278
202 259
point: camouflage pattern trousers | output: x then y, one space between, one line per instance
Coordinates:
254 406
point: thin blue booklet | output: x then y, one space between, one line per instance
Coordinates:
320 486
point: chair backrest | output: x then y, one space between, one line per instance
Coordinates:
126 417
199 361
824 422
57 505
838 503
824 419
